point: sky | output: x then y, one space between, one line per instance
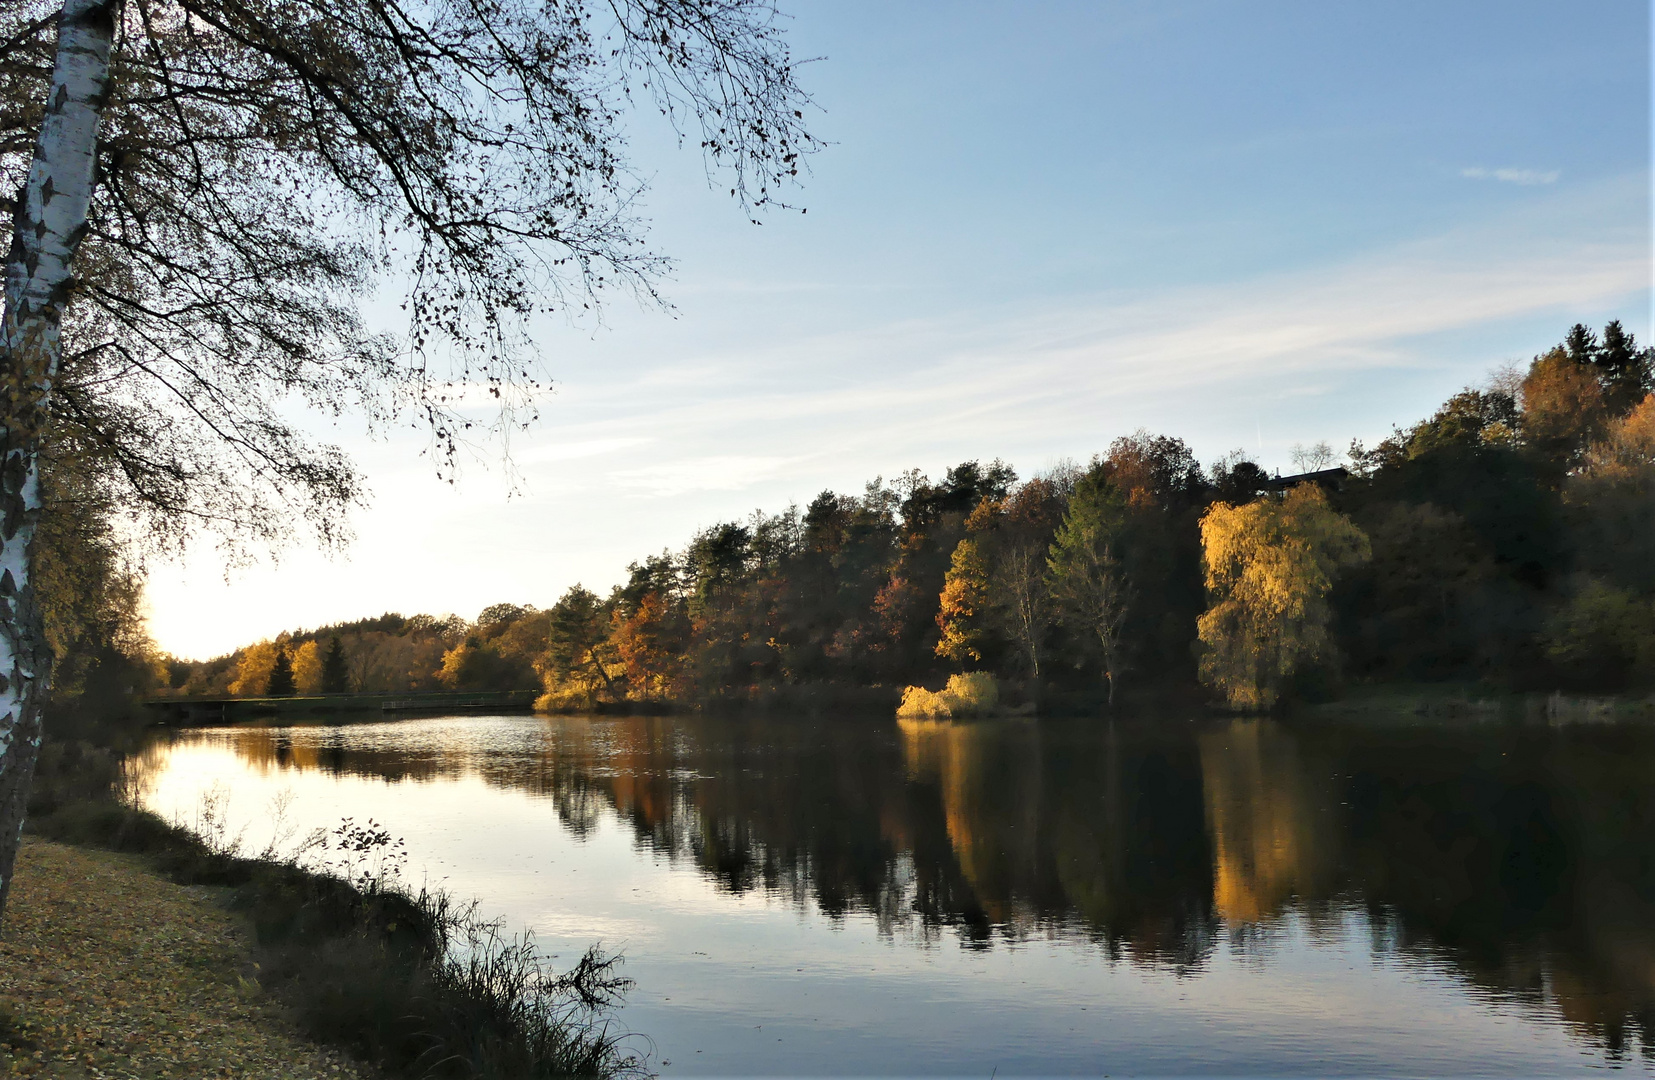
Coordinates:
1035 227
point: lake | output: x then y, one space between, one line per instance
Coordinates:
1187 897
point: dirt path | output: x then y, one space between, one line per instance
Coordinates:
107 970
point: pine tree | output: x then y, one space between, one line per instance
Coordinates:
336 677
281 676
1625 369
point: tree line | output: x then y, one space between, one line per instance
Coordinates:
1509 539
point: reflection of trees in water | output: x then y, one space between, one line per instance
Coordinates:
1520 860
1055 829
1263 820
1526 860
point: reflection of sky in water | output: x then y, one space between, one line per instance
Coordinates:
522 813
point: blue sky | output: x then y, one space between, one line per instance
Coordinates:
1037 227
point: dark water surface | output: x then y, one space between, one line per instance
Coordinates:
1186 898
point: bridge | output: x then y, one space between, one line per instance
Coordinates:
207 711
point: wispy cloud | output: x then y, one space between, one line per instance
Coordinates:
574 451
716 472
1521 177
1057 372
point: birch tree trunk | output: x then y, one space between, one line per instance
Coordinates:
50 222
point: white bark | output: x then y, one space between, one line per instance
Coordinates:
49 224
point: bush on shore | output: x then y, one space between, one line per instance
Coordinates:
972 694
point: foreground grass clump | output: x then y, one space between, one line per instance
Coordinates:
972 694
410 982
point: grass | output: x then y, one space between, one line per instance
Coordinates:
409 981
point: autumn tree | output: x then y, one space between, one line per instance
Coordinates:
1270 566
307 668
1600 635
932 523
650 640
963 609
207 187
253 669
1564 409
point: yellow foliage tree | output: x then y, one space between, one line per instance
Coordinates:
1563 405
1626 455
307 668
963 605
253 672
467 666
1270 566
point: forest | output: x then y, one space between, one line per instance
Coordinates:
1507 540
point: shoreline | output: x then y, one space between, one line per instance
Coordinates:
1455 701
400 983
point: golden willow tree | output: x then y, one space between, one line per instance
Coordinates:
202 191
1270 566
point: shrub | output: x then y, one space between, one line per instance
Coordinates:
1603 637
918 703
566 700
972 694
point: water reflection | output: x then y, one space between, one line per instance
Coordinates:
1519 858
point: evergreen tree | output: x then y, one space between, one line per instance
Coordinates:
335 675
1625 369
1087 568
578 626
281 676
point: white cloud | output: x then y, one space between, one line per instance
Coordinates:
1522 177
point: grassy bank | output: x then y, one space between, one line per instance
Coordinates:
406 982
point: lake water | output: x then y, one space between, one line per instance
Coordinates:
1183 898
